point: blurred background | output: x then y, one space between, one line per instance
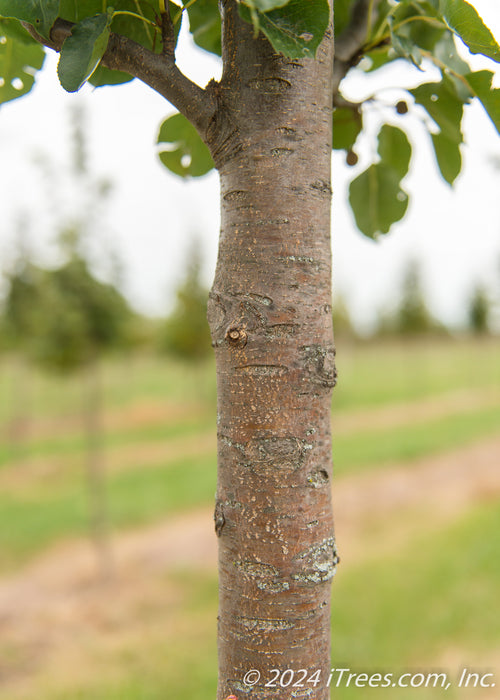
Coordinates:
107 407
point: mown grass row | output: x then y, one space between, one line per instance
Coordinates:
389 372
370 374
49 504
38 514
398 614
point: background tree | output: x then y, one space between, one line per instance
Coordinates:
412 316
64 319
342 322
479 311
186 333
19 324
267 128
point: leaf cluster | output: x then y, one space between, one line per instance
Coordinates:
418 32
422 33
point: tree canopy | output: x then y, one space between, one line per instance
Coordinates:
105 44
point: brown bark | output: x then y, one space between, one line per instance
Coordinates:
268 126
270 317
159 71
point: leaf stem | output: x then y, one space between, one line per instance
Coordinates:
381 36
444 67
424 18
134 14
181 10
369 20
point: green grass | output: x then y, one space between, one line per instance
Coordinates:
37 516
381 373
67 444
398 612
402 612
394 615
31 522
54 506
125 378
374 448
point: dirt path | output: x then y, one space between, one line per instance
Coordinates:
160 453
43 605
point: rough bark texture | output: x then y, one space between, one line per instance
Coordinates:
270 318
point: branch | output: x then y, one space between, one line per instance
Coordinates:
349 45
167 32
159 71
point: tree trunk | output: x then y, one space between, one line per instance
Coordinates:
99 523
270 318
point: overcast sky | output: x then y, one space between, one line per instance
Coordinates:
152 215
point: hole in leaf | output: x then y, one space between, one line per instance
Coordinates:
434 98
366 63
2 82
186 160
17 84
169 146
30 70
3 39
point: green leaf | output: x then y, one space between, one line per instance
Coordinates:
187 154
295 30
347 124
423 32
342 10
13 29
448 156
82 51
265 5
104 76
19 61
75 11
138 30
406 48
376 197
205 25
464 20
377 200
130 26
446 107
445 50
480 86
442 103
40 13
394 149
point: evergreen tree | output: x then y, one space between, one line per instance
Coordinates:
186 332
412 316
267 128
479 311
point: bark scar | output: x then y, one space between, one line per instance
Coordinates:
236 336
219 518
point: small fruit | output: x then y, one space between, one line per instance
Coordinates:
402 107
351 158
